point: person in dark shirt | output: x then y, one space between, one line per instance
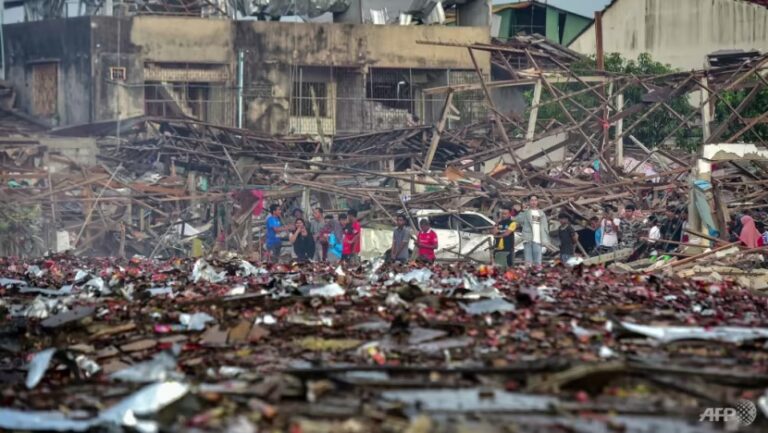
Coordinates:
303 241
505 234
672 229
587 235
568 238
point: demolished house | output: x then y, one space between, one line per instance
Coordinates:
139 153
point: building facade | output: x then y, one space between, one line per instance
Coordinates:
269 76
533 17
680 32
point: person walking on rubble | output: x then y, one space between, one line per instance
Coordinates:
275 227
303 242
535 231
749 235
611 229
352 233
335 239
426 242
401 236
317 225
568 238
504 232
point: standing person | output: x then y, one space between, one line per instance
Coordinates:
338 227
672 229
535 231
630 226
401 236
587 235
324 237
505 234
610 227
654 233
352 233
274 226
749 235
303 242
317 224
568 238
335 240
426 242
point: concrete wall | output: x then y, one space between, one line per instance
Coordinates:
181 39
112 98
81 150
65 41
359 45
273 49
679 32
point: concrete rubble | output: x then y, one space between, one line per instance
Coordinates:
136 294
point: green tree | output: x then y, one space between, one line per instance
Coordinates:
754 108
652 130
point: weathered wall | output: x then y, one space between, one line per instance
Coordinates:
181 39
66 42
359 45
679 32
272 49
82 150
112 98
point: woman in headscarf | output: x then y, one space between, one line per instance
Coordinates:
749 235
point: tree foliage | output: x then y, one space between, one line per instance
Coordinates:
653 129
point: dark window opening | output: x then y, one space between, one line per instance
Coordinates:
301 103
177 100
390 88
560 27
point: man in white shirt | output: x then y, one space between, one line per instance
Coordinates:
535 231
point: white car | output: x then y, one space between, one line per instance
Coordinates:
460 235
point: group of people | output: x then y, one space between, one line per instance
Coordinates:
645 236
322 238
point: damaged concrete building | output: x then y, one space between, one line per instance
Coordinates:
274 77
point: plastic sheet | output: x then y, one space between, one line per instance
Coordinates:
38 366
667 334
416 276
202 271
196 321
161 367
488 306
331 290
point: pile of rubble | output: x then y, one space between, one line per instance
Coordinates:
225 343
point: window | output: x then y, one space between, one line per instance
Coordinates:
472 223
301 102
117 74
438 221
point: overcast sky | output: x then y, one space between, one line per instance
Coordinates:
583 7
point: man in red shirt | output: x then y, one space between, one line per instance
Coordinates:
351 247
426 242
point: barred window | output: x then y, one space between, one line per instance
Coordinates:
301 103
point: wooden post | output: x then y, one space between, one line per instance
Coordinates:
439 128
619 135
531 131
599 56
706 114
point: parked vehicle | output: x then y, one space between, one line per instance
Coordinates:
459 235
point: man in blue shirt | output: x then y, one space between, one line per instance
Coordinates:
274 226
